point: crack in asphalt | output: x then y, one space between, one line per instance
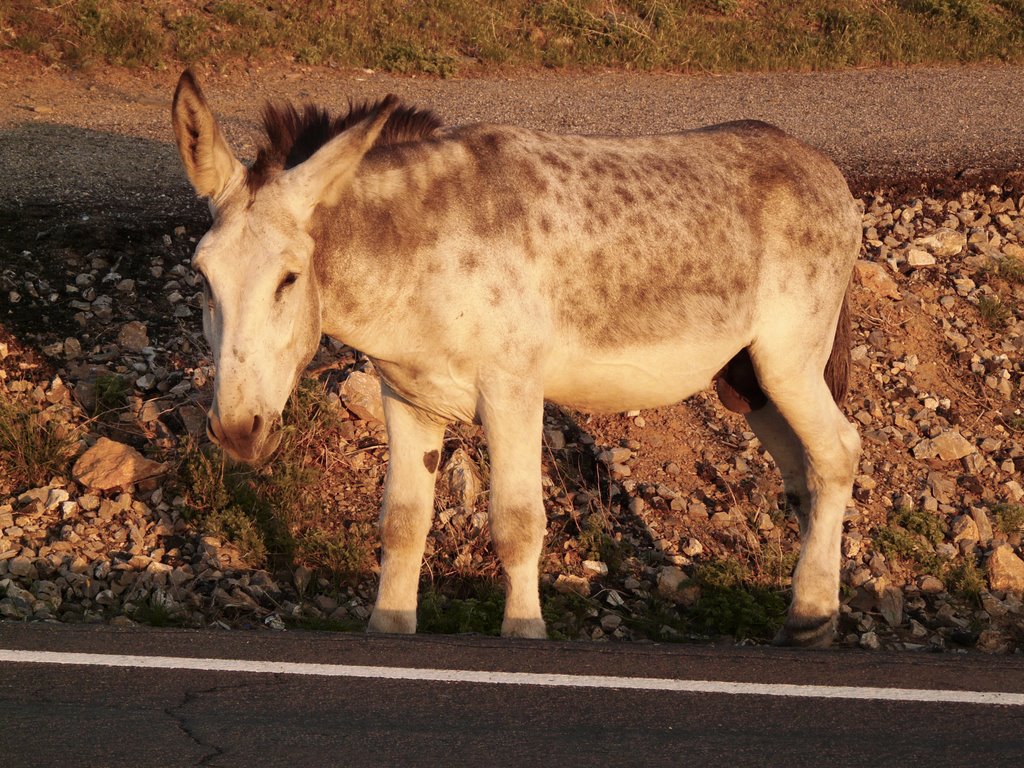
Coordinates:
181 721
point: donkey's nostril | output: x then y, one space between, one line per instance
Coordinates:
212 428
257 422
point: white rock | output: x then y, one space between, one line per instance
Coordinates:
918 258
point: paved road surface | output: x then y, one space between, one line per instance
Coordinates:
71 714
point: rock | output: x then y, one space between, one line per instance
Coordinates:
692 548
302 577
360 393
890 605
133 336
931 585
610 622
983 524
964 528
595 567
670 580
109 464
194 419
555 439
23 567
943 242
566 584
919 258
870 641
1005 570
948 446
876 279
617 455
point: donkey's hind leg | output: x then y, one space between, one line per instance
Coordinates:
830 447
512 415
414 441
787 452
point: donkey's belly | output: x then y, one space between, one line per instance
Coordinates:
622 380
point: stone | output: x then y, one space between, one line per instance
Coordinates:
567 584
1005 570
595 567
194 419
554 439
983 524
360 393
302 577
133 336
670 578
948 446
110 464
23 567
943 242
919 258
870 641
876 279
931 585
617 455
964 528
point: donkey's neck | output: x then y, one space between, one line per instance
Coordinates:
371 253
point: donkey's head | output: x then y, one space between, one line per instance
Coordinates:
261 313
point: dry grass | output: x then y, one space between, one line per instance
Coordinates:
444 37
33 447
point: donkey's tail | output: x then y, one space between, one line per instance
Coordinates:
837 369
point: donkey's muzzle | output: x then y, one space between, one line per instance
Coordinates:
248 439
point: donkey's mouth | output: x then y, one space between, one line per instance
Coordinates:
253 452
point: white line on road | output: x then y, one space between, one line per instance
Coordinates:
516 678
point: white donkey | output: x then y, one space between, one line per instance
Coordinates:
487 268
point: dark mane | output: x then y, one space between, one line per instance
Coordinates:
293 136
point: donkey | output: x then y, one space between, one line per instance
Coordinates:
485 269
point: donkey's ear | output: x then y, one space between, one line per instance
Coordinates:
209 163
324 176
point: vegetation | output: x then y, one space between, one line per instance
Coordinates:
1009 518
33 447
277 513
444 37
112 393
910 537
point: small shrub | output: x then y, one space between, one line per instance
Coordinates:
234 525
910 537
1012 269
111 393
33 447
480 613
966 579
994 313
1009 518
731 604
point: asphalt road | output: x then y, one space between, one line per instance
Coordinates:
76 715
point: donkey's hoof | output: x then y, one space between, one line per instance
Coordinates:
392 622
530 628
808 631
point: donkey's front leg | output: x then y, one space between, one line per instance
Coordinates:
513 422
414 441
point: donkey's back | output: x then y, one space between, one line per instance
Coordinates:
629 271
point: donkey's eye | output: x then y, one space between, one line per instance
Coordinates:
288 281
